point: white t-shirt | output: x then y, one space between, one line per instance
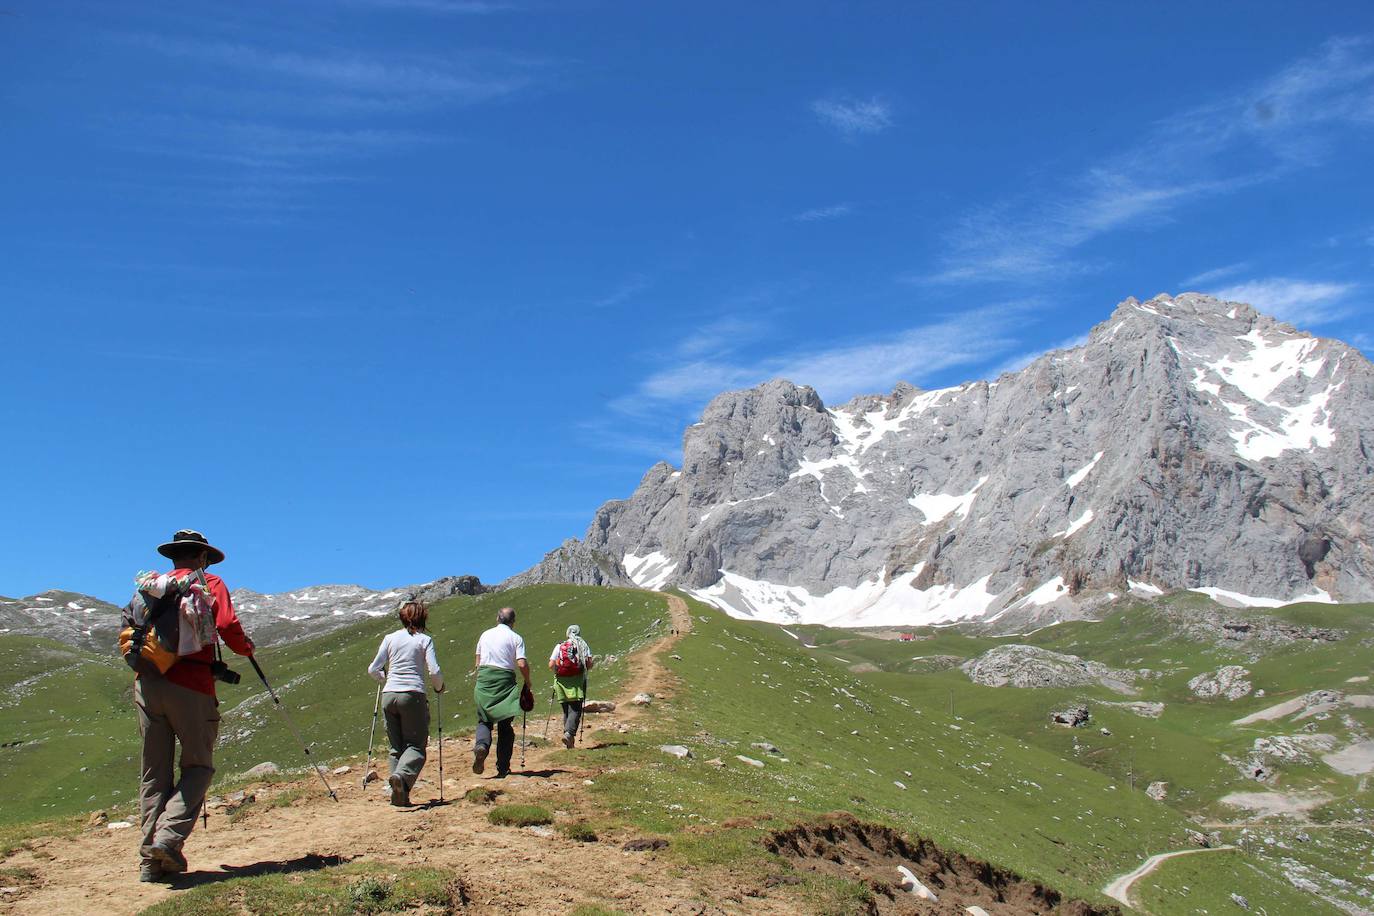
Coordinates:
500 646
406 658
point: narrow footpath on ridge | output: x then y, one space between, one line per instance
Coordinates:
1120 888
497 869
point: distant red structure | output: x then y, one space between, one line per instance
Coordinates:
906 637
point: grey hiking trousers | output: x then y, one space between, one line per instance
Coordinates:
169 714
407 729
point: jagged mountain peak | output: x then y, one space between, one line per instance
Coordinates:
1189 442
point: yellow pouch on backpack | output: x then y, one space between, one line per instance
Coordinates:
151 651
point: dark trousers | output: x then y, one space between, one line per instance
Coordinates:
572 716
505 741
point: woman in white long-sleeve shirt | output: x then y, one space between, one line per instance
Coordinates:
407 656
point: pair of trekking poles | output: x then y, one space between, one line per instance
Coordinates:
582 720
372 738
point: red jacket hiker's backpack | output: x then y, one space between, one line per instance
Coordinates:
568 660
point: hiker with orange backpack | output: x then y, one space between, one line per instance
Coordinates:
170 639
571 660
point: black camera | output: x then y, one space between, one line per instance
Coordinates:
222 672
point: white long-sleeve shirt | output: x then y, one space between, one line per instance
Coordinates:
406 658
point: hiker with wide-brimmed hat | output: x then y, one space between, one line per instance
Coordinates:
179 707
570 661
497 695
403 660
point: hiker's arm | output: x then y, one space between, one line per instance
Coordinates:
524 669
227 622
436 677
476 662
378 667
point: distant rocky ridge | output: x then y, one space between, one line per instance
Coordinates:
93 624
1190 443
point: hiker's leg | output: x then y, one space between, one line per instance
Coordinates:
572 716
505 744
415 734
395 729
483 737
159 755
194 717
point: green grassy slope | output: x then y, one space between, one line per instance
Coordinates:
64 709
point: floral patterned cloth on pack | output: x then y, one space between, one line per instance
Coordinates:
196 608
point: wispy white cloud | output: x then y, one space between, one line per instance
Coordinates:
623 293
1217 273
823 213
445 7
838 372
1021 361
1298 302
852 117
402 81
1255 135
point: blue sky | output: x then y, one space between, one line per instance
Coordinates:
377 291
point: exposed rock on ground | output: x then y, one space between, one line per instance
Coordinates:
843 847
1073 717
1229 681
1031 666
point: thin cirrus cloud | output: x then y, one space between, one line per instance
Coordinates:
1262 132
442 7
698 372
819 214
852 118
1298 302
1197 281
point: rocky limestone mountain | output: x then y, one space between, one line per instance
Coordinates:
89 623
1190 443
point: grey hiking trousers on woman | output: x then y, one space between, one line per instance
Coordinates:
407 728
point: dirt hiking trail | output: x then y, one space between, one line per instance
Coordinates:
496 869
1120 889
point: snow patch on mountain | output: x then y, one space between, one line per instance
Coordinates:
650 571
937 507
1237 599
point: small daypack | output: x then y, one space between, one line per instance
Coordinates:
168 617
568 659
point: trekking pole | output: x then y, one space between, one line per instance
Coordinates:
582 720
439 698
523 715
552 691
372 735
276 701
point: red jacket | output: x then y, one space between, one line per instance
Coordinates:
193 671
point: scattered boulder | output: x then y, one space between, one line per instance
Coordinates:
1199 839
748 760
1240 901
766 747
267 768
97 819
1106 732
676 750
372 776
342 771
1229 681
645 844
1158 790
913 885
598 706
642 699
1073 717
715 762
118 825
1031 666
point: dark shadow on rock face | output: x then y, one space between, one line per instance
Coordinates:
844 847
309 862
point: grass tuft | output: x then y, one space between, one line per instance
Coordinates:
520 816
579 831
481 795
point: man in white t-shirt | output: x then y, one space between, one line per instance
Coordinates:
500 654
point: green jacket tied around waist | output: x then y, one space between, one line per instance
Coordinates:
497 694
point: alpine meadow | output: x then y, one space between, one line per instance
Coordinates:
598 458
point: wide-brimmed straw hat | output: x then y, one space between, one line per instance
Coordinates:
188 538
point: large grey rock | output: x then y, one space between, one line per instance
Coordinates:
1032 666
1188 444
1229 681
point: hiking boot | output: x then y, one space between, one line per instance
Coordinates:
400 795
479 758
170 861
567 741
150 872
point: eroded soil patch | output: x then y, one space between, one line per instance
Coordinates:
843 847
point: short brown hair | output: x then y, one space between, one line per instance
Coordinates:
414 615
